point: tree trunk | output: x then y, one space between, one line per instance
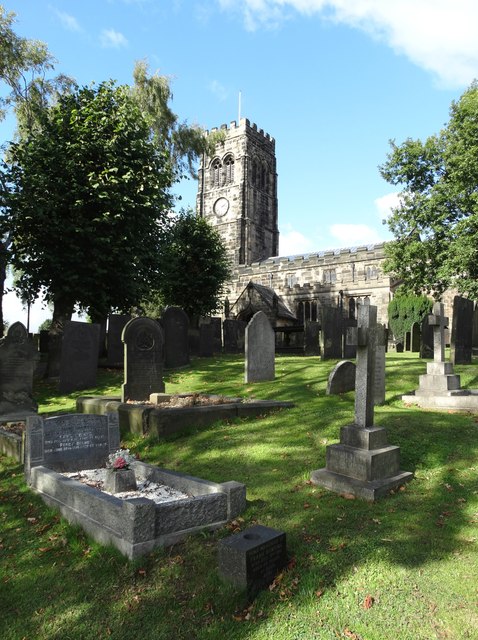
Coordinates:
3 277
62 312
100 318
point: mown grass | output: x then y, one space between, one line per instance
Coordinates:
402 568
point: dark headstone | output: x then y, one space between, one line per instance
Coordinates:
312 338
114 345
348 350
408 341
143 340
475 330
18 359
44 338
251 559
331 334
426 344
175 323
206 338
217 334
79 356
260 349
234 335
70 442
462 331
399 347
416 336
341 378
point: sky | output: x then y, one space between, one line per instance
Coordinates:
332 81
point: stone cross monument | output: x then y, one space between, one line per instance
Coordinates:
363 464
439 323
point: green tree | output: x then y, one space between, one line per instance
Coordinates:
87 199
404 310
436 224
193 266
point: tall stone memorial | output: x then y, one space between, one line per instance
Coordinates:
175 323
18 359
260 349
79 356
143 359
462 331
331 334
363 464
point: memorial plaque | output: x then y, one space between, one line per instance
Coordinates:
79 356
143 339
175 323
18 359
251 559
70 442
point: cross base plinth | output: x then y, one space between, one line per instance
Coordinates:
363 464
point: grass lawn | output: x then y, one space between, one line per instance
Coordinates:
404 568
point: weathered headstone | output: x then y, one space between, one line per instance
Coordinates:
114 345
349 351
426 343
462 331
143 359
363 464
260 349
217 334
331 334
234 335
408 341
18 359
311 338
79 356
251 559
341 378
416 336
379 373
206 338
70 442
475 330
175 323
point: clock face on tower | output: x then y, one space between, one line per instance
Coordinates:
221 206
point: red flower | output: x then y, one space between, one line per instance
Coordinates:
120 463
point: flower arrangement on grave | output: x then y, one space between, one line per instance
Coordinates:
120 460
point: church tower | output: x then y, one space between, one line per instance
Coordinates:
237 193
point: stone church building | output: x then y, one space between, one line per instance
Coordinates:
237 194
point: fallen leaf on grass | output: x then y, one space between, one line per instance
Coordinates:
306 505
351 634
319 593
347 496
142 572
368 602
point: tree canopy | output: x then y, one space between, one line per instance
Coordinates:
436 224
87 199
193 266
404 310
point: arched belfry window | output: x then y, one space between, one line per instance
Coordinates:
216 173
229 170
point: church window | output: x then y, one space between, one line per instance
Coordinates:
329 276
371 272
216 173
229 170
291 279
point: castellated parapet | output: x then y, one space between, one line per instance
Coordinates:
245 126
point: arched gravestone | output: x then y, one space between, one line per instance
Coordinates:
175 323
341 378
260 349
18 358
143 359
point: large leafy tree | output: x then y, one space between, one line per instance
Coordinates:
193 266
88 197
25 67
436 224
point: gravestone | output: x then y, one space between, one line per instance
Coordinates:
408 341
341 378
379 374
206 338
143 355
416 336
175 323
311 338
79 356
251 559
70 442
426 344
114 345
462 331
363 464
44 339
331 334
260 349
18 360
475 331
217 334
349 351
234 335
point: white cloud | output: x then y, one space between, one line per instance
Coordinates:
436 35
385 204
219 90
68 21
354 235
112 39
292 242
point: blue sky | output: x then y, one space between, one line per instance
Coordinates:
331 81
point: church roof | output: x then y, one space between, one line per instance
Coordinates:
269 296
321 254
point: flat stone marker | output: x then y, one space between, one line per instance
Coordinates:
79 356
143 368
363 464
260 349
18 359
252 558
175 323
